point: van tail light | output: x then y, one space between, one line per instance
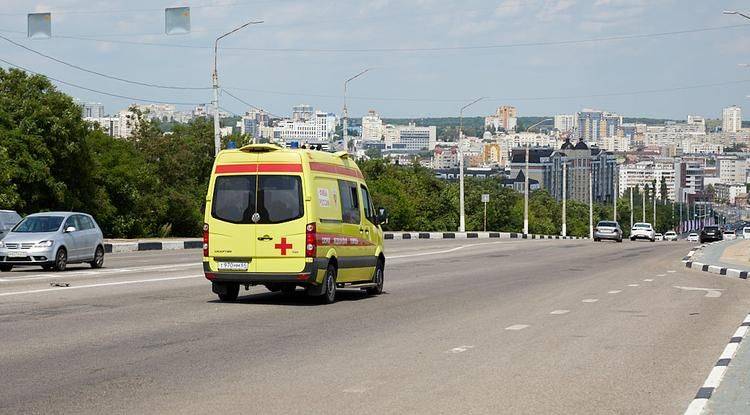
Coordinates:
205 239
311 241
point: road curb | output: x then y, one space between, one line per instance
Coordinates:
698 404
710 268
120 247
470 235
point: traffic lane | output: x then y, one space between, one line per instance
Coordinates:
281 340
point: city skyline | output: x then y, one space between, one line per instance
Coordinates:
661 78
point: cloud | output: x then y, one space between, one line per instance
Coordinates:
556 10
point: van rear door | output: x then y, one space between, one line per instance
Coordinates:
281 223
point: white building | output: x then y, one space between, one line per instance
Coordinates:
527 139
727 193
121 125
91 109
644 173
731 119
616 143
372 127
697 120
505 118
307 126
415 138
566 122
732 170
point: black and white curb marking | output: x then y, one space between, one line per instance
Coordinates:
152 246
714 269
470 235
714 378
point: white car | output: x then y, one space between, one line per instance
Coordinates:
693 237
659 237
746 232
670 236
642 230
729 235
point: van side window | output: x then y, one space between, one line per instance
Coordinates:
367 205
349 202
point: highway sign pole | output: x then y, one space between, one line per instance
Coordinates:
485 199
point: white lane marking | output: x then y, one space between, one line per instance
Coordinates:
633 285
105 271
105 284
648 280
517 327
559 312
729 351
614 292
445 251
714 378
671 271
661 275
710 292
460 349
590 300
741 331
696 407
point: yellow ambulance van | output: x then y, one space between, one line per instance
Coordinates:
288 218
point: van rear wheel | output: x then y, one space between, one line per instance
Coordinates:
229 292
329 285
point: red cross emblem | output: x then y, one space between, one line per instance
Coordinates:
283 246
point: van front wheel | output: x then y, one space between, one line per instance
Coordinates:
377 278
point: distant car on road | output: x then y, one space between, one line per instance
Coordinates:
659 237
53 240
8 219
642 230
608 230
693 237
746 232
670 236
711 234
729 235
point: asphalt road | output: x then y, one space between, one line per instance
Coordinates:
543 327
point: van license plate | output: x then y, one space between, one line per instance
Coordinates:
232 266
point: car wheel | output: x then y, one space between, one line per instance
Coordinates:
61 260
377 279
288 289
6 267
98 261
619 240
597 239
329 286
632 239
653 240
230 293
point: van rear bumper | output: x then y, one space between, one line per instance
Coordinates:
305 277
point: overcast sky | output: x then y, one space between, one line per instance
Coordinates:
537 77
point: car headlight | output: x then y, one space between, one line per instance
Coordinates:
44 244
2 245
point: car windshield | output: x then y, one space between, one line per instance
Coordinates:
8 220
275 198
607 224
710 228
39 224
642 225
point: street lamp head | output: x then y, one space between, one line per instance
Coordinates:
730 12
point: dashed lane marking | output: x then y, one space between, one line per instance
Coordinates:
648 280
661 275
517 327
633 285
590 300
460 349
614 292
710 292
671 271
559 312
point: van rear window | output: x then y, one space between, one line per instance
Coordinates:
276 198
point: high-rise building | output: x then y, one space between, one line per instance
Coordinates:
505 118
594 124
731 119
647 172
92 109
565 122
372 127
416 138
732 169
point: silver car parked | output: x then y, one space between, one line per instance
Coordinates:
8 219
53 240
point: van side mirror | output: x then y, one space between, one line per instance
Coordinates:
382 216
70 229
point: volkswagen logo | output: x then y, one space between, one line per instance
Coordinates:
256 217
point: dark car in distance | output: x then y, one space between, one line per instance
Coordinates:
711 234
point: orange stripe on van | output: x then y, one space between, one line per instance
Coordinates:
259 168
334 169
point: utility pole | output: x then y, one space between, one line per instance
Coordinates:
643 204
526 195
631 208
591 205
462 216
564 197
215 79
654 208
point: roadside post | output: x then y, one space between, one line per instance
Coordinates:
485 200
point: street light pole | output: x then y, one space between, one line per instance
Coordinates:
631 208
526 195
462 217
345 115
215 79
614 198
591 205
564 197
